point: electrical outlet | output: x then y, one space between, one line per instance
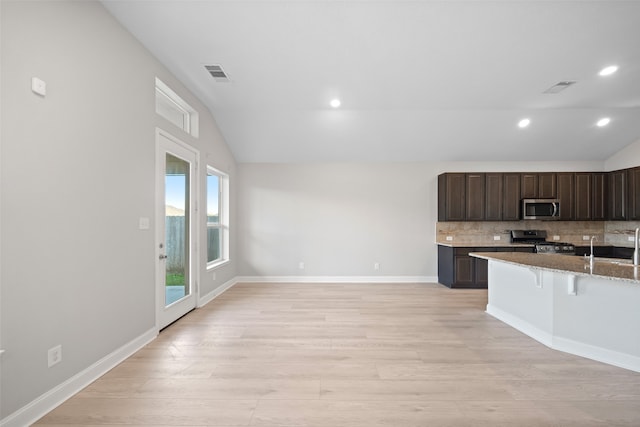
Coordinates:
376 266
631 238
301 265
449 238
54 355
496 237
585 237
556 237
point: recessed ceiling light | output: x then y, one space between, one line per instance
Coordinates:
524 123
603 121
335 103
607 71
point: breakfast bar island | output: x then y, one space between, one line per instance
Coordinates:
590 308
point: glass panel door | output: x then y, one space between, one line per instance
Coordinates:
176 190
176 229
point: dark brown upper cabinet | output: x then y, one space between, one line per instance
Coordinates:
493 192
633 205
618 195
591 196
452 197
475 199
584 190
529 186
538 185
547 186
511 197
565 192
584 196
599 195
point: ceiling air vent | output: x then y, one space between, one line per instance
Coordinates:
217 73
559 87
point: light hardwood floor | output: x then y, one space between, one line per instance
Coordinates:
334 355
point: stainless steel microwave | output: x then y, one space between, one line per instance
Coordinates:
540 208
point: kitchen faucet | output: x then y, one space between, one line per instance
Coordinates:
636 252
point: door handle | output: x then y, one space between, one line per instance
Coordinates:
163 256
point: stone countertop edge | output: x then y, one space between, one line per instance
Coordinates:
514 245
602 267
485 245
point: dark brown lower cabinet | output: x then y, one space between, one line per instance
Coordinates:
456 269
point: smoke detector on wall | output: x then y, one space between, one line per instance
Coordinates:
217 73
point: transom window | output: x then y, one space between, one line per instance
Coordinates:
173 108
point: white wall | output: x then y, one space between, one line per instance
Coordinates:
628 157
339 219
77 172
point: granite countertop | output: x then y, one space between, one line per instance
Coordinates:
503 244
495 244
613 269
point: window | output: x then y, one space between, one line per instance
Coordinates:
217 217
173 108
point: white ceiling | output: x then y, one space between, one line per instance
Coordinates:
419 80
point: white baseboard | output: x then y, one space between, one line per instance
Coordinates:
519 324
44 404
337 279
206 299
621 360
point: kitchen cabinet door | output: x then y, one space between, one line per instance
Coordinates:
618 195
493 196
566 195
538 185
471 272
599 191
529 185
633 175
452 197
475 200
464 271
584 192
547 186
511 197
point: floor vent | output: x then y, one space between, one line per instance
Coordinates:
217 73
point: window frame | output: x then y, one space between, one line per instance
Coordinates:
223 217
190 117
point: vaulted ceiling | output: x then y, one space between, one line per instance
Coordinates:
418 80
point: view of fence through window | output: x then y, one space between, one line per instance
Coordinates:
176 219
176 223
214 229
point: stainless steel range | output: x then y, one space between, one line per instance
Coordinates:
539 239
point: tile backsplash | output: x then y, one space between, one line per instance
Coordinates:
617 233
484 232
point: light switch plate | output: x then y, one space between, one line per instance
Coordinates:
556 237
496 237
449 238
143 223
38 86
